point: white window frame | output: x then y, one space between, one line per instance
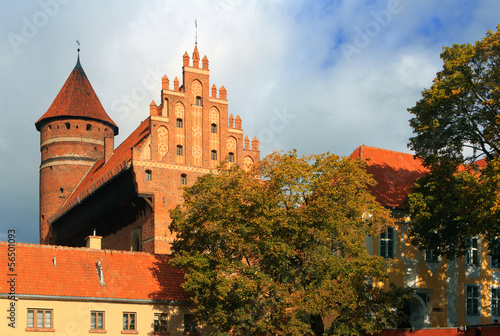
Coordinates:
387 245
472 300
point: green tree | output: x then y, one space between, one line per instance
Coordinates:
457 132
280 248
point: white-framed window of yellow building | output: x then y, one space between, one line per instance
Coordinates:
129 321
386 243
430 255
472 255
472 299
96 320
40 318
495 301
160 322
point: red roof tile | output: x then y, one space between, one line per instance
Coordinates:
77 99
127 275
102 172
395 173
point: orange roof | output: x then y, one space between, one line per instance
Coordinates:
395 173
77 99
72 272
102 172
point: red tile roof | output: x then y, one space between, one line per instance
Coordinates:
72 272
77 99
102 172
395 173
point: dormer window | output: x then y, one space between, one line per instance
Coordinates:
100 272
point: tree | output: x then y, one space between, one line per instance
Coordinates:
276 255
457 134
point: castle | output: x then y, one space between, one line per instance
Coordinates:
124 195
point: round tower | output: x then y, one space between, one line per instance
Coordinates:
72 134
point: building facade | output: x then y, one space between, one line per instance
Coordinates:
125 194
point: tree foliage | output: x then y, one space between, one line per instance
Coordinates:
456 125
279 254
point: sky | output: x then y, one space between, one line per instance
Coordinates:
317 76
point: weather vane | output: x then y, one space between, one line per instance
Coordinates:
78 42
195 32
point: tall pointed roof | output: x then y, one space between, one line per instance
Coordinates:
77 99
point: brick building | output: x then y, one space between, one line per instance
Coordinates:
125 193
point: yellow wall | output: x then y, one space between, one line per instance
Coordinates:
72 318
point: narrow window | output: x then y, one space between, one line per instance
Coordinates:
97 320
160 322
129 321
472 299
430 255
67 125
61 190
495 301
183 179
472 257
213 128
387 243
148 175
179 123
189 323
89 127
40 318
198 101
230 157
50 127
214 155
179 150
495 262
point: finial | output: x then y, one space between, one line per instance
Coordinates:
78 49
78 65
195 32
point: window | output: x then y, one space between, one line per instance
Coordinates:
472 257
179 123
230 157
89 127
148 175
495 262
213 128
179 150
472 299
189 323
183 179
67 125
198 101
214 155
387 243
129 321
495 301
160 322
430 255
40 318
97 320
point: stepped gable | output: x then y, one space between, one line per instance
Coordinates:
395 173
77 99
59 271
103 171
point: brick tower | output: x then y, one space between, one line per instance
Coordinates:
75 132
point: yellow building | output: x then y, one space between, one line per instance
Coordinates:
448 293
80 291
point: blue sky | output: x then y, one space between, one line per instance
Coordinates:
317 76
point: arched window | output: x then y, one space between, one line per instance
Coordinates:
230 157
179 123
213 128
183 179
67 125
89 127
214 155
198 101
179 150
148 175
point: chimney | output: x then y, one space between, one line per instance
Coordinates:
109 147
93 242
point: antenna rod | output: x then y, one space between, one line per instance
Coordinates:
78 42
196 32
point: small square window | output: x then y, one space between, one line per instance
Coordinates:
129 321
97 320
430 255
160 322
198 101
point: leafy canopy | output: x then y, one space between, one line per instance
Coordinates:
278 254
457 124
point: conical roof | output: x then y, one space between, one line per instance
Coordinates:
77 99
